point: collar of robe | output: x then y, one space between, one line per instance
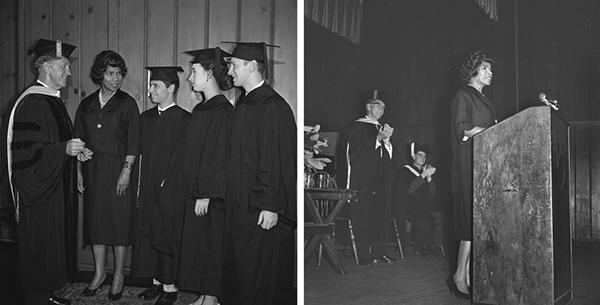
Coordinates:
412 170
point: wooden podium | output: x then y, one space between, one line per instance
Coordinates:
521 232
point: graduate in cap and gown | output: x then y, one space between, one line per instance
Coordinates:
200 174
161 128
369 154
261 189
417 200
42 173
108 120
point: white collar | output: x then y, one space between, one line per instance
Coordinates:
259 84
57 94
163 109
369 120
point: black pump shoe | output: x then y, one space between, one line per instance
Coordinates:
150 293
115 296
54 300
454 290
87 292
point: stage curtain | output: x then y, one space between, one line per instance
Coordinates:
490 8
342 17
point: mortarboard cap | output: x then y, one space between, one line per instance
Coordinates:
54 48
211 54
417 148
166 74
252 51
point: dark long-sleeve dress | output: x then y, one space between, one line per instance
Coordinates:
261 176
160 135
470 108
44 177
111 132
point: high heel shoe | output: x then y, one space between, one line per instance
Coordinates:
115 296
454 290
87 292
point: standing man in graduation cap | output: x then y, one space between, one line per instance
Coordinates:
42 173
161 128
261 190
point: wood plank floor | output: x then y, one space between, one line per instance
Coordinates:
421 280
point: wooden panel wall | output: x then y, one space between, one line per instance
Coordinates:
586 164
8 45
145 33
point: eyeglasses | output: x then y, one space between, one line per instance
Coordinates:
378 105
112 74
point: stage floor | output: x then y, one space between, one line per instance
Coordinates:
421 280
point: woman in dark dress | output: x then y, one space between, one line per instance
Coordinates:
200 173
107 120
472 112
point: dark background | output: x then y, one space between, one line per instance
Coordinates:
411 50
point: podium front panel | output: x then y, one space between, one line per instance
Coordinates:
513 228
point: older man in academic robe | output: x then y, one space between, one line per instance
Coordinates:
42 172
370 170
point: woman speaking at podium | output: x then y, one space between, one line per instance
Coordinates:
472 112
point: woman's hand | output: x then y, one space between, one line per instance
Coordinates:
85 154
473 131
123 181
201 207
267 219
80 186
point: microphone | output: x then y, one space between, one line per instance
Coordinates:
553 104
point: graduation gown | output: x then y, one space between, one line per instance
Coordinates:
159 137
470 108
414 192
203 163
261 176
111 132
371 170
417 199
45 178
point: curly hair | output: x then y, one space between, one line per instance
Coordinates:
102 61
470 65
224 80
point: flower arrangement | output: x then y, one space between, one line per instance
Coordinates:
312 145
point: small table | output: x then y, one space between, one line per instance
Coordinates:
326 217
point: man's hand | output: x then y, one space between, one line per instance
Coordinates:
85 154
201 207
385 133
388 130
267 219
74 147
428 171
